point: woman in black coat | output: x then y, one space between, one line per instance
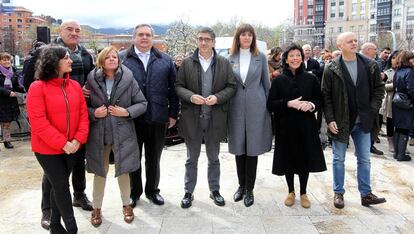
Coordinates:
9 108
403 118
294 98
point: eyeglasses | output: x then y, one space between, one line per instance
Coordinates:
205 39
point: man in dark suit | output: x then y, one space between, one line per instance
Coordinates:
155 73
205 84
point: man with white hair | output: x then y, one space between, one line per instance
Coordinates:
369 50
311 65
353 93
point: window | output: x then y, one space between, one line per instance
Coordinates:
310 11
319 8
310 2
372 27
19 20
19 26
360 28
396 2
333 3
331 30
397 25
397 12
341 2
339 29
333 9
351 28
19 14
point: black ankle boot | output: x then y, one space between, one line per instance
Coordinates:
8 145
402 147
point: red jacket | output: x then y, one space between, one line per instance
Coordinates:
57 113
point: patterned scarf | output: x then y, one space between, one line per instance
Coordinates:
8 73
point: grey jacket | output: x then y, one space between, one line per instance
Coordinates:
127 94
189 83
249 123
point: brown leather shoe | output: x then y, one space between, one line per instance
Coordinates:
96 218
128 214
372 199
339 200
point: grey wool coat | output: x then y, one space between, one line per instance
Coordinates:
127 94
249 123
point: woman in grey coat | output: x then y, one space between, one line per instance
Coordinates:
115 100
249 123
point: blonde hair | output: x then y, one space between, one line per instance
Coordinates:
100 61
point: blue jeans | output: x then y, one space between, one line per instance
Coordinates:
362 143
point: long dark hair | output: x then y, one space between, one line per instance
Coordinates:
236 39
285 56
388 63
48 63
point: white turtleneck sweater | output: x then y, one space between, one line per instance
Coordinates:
245 56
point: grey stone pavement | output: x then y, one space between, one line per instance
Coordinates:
20 193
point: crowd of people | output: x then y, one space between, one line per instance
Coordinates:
83 113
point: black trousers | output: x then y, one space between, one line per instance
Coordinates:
246 171
152 137
57 169
390 127
78 180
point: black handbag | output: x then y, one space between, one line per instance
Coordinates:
402 101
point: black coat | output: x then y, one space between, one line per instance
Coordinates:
9 107
156 83
298 148
404 82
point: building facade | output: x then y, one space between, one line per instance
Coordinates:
309 22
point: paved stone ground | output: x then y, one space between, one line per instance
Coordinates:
20 193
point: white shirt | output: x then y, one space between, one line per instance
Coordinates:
245 56
205 63
143 56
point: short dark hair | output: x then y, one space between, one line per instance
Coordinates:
48 63
208 30
386 48
293 46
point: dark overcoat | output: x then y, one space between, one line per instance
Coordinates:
189 83
404 82
9 107
297 145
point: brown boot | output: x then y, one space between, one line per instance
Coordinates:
128 214
339 200
96 218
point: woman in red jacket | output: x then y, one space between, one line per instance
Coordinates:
59 125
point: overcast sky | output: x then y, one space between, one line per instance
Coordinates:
128 13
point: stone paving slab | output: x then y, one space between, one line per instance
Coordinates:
20 194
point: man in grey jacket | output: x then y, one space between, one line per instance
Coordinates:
205 84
